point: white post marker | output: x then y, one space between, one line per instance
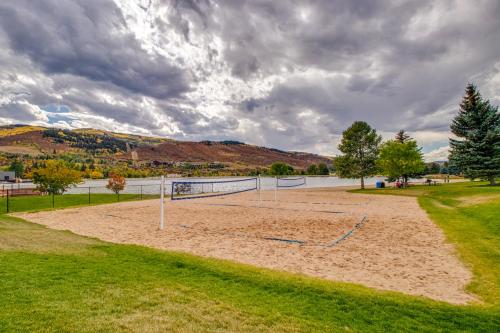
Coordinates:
258 187
162 202
276 189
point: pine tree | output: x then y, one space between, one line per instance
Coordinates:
477 151
402 136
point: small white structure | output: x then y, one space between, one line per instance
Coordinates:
8 176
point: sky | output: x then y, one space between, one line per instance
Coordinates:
285 74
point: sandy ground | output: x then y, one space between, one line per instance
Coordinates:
397 247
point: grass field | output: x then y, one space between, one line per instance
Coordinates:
57 281
36 203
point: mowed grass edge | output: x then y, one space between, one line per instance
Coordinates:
469 215
58 281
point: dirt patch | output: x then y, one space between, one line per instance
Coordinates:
440 205
478 199
25 150
398 248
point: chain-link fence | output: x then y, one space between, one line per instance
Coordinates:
22 198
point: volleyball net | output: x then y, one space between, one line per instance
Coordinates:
183 190
290 181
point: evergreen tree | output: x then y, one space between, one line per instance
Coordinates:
360 147
432 168
477 151
402 136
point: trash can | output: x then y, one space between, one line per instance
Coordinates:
379 184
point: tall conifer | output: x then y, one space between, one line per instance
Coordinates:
477 150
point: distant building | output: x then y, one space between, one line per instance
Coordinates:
8 176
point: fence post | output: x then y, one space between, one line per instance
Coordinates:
162 203
53 197
7 200
89 195
141 192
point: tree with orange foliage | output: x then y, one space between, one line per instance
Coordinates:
116 183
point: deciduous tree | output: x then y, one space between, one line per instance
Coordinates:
400 159
312 170
18 167
359 148
280 169
323 169
116 183
55 177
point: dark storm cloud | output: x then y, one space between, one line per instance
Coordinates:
415 76
88 38
18 111
306 69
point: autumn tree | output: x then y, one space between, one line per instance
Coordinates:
116 183
55 177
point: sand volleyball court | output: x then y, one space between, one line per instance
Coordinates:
395 246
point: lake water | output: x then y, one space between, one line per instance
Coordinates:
152 185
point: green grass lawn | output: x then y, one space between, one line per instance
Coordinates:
469 214
36 203
56 281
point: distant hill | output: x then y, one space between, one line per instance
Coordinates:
36 140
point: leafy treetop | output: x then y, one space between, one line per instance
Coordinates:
280 169
116 183
359 147
400 159
55 177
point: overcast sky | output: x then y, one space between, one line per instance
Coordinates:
285 74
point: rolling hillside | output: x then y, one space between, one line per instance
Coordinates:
35 140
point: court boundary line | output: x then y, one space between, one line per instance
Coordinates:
299 242
348 234
274 208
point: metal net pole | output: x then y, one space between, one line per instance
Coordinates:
162 202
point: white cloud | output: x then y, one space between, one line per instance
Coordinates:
439 154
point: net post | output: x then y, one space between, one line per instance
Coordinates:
276 189
258 188
162 202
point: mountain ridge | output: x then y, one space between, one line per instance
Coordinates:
145 150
